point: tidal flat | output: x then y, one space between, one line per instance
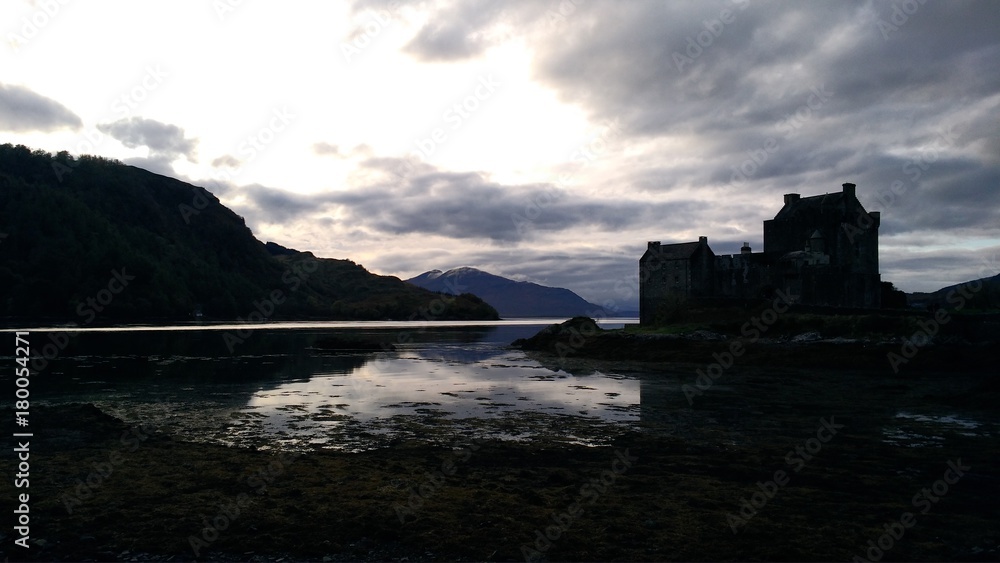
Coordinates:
462 448
105 489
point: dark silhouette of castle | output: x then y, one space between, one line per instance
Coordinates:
820 250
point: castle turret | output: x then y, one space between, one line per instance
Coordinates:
815 243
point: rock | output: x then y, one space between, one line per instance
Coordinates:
807 337
706 335
571 335
842 340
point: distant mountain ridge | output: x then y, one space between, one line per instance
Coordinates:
982 294
90 239
509 297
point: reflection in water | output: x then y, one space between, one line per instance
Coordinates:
279 389
918 430
431 391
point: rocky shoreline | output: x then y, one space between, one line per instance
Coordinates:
581 337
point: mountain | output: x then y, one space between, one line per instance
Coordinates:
91 238
511 298
981 294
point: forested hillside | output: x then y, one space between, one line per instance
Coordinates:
90 238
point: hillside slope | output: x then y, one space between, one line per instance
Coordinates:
981 294
90 238
511 298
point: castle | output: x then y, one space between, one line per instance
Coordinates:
820 250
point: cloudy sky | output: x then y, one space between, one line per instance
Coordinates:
540 140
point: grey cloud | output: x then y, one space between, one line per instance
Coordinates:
755 81
227 161
324 149
161 138
933 270
22 109
271 205
462 30
444 41
462 205
803 96
468 206
760 68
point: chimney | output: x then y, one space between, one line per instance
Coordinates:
653 245
849 190
877 215
703 241
745 249
791 198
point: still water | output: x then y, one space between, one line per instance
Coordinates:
278 387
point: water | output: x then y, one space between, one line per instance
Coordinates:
922 430
275 387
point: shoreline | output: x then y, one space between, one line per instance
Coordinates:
580 337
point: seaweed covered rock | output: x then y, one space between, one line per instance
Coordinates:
563 338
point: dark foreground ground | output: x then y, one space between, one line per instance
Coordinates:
673 488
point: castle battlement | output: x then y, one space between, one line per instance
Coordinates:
821 249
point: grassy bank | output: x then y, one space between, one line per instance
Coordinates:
884 343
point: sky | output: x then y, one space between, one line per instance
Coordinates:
540 140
